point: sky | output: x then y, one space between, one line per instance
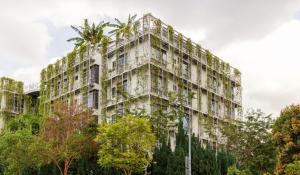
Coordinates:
261 38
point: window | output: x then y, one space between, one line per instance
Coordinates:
174 87
95 74
185 69
93 99
58 87
214 105
77 68
215 85
15 103
232 92
122 60
185 95
125 86
164 55
113 92
160 82
165 33
114 64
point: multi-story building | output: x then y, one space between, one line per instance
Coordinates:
14 101
11 99
140 72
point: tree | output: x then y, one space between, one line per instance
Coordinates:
15 142
232 170
293 168
286 134
122 29
161 119
162 158
251 141
204 160
127 144
89 34
63 138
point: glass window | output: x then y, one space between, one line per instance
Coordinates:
174 87
93 99
114 65
125 86
122 60
95 74
113 92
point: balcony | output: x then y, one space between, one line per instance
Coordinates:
34 87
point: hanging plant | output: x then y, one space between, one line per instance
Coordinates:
209 58
104 84
82 50
227 69
217 63
189 46
171 34
199 51
237 72
70 69
157 28
136 28
180 54
209 78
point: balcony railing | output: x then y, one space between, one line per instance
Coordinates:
32 88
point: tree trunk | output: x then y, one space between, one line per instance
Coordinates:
66 167
127 172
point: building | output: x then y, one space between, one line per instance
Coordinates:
11 99
14 101
139 71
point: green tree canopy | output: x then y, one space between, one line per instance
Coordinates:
127 144
15 143
293 168
251 141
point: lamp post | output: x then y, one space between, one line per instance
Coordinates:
190 147
188 159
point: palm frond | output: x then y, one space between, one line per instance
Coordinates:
128 20
103 24
113 25
76 29
74 39
118 21
86 25
113 31
133 17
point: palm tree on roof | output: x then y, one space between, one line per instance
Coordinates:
88 34
124 30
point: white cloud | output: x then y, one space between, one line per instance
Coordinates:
270 68
28 75
23 42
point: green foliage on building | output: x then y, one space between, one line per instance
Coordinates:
11 96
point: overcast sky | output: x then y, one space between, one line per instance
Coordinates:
260 37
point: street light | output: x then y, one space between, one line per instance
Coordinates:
188 159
